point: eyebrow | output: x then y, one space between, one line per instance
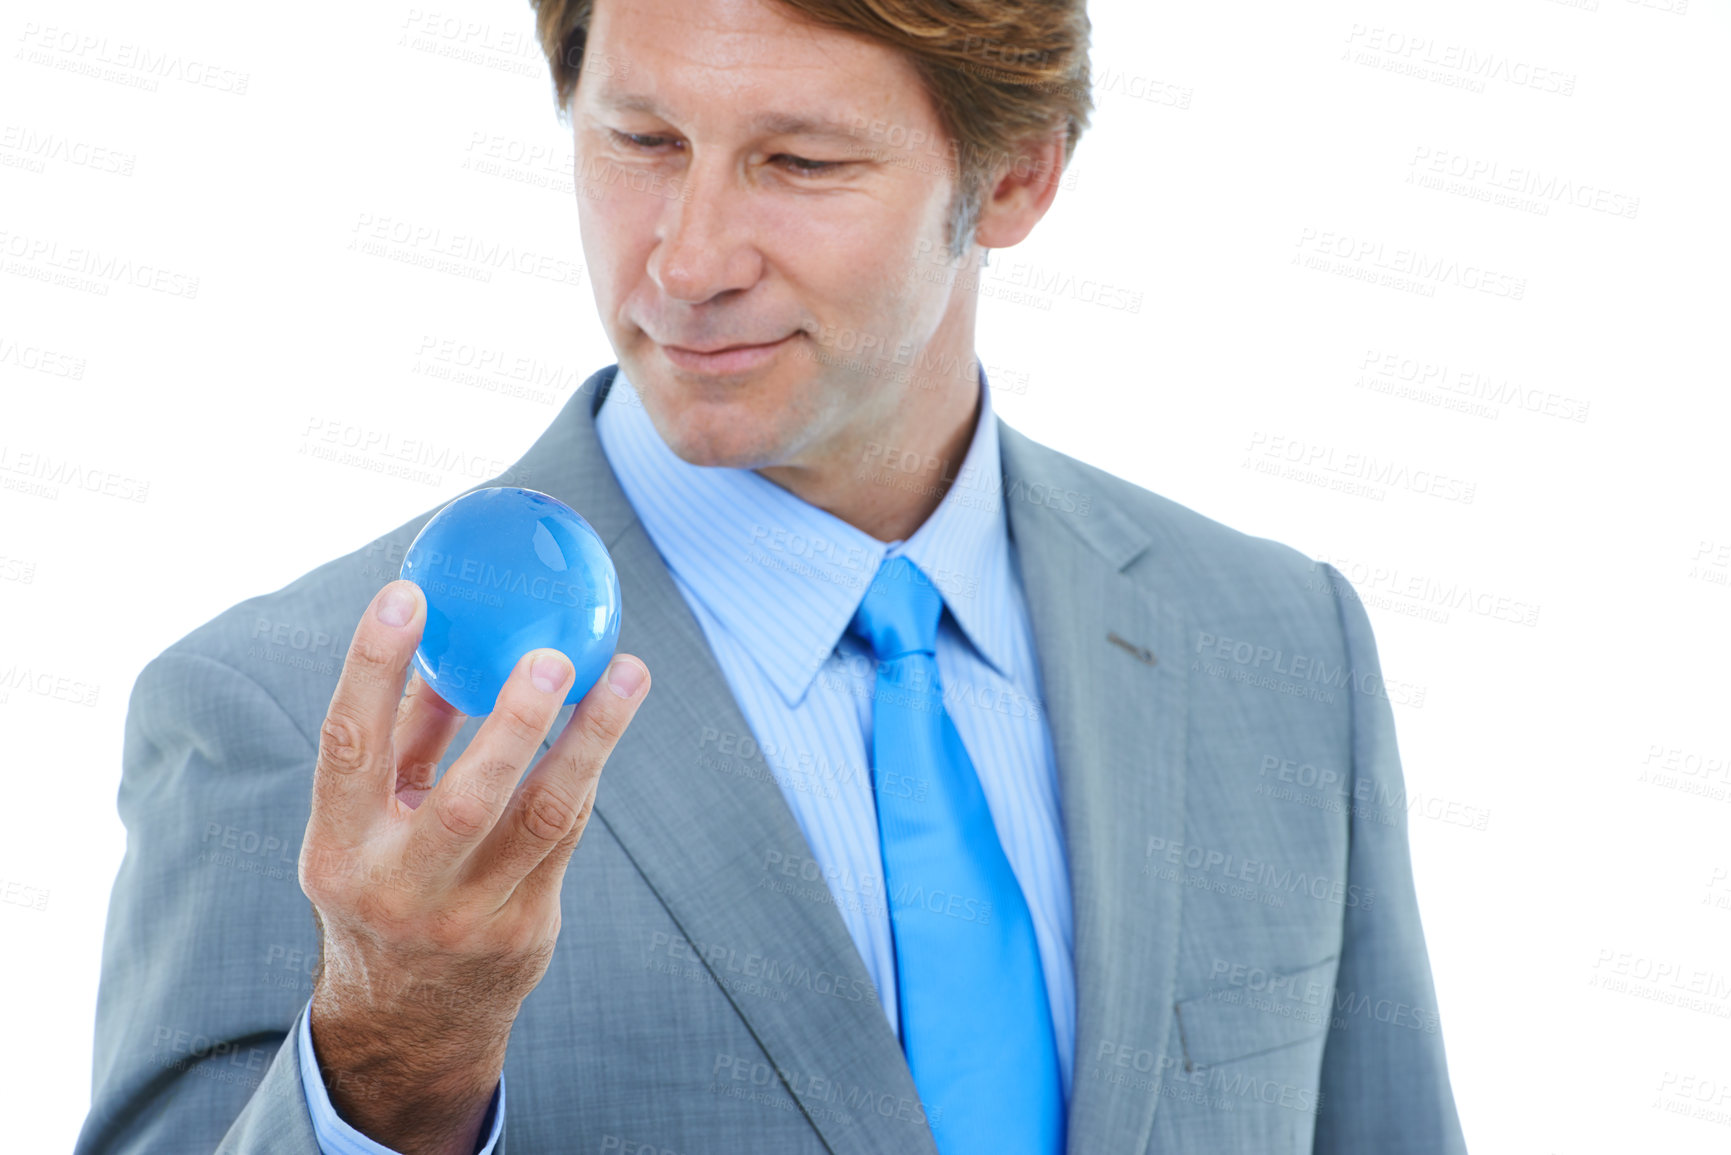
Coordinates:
772 123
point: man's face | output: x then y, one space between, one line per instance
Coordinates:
706 224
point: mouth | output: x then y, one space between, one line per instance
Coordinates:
724 359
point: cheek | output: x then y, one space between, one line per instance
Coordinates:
842 238
867 272
616 224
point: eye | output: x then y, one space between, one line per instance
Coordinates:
798 164
807 167
638 139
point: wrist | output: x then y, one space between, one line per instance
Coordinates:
404 1085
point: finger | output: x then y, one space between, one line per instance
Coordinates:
552 804
354 774
544 880
458 812
542 883
425 725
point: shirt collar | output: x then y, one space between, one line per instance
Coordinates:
783 577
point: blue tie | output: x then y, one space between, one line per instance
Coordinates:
975 1023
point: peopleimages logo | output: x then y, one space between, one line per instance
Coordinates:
1356 466
480 578
1232 867
1371 257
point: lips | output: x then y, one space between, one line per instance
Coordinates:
725 348
720 359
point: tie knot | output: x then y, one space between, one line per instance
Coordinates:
899 613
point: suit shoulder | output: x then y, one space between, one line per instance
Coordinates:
1201 550
1172 544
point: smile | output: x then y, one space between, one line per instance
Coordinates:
733 359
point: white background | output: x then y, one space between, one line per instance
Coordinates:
1233 148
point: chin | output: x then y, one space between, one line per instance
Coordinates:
733 426
716 434
722 450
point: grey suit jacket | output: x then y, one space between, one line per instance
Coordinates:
1251 972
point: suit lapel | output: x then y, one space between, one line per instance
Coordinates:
705 839
1117 711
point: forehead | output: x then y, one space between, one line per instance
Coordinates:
753 63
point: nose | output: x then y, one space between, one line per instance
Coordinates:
705 239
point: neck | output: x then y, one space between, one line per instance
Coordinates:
870 485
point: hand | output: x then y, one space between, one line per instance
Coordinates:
438 905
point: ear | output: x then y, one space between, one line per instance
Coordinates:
1023 191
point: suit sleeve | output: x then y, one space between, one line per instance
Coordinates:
210 942
1385 1084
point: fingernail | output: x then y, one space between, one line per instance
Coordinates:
549 671
625 677
398 605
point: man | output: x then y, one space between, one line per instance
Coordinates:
983 801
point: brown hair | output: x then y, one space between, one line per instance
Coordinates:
998 72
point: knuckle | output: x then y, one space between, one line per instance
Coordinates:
602 727
315 876
316 884
370 654
343 743
527 940
462 815
548 816
522 720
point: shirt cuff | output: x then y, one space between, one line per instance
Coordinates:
337 1137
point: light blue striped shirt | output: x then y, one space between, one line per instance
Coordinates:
774 583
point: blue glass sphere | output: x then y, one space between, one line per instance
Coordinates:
506 571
